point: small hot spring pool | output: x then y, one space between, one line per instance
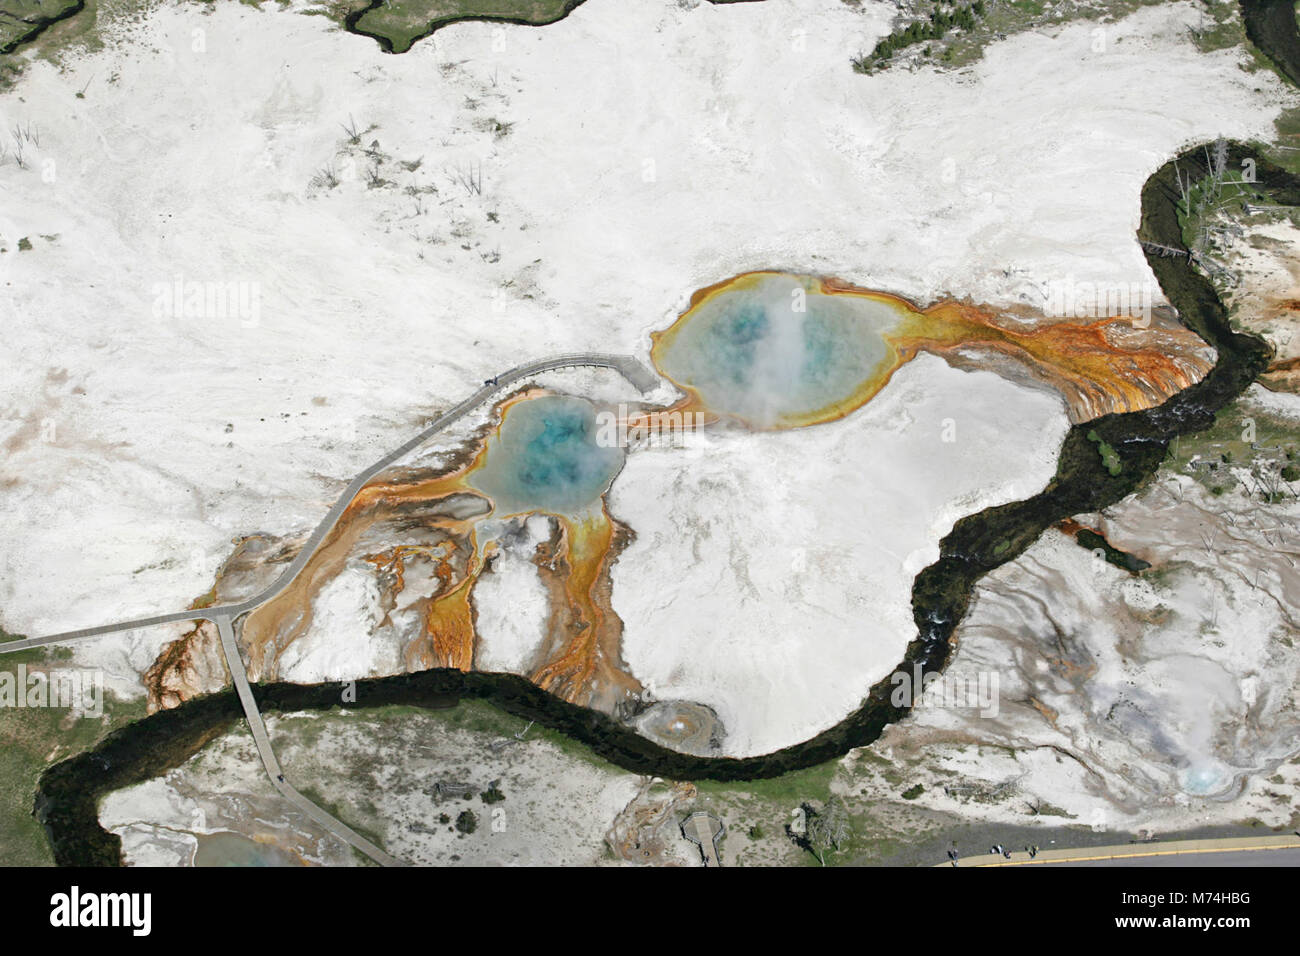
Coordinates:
235 849
546 457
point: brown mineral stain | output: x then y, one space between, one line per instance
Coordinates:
584 630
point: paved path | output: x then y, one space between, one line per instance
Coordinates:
632 370
1174 852
254 717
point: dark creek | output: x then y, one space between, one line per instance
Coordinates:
1271 26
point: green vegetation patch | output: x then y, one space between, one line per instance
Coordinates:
31 739
23 20
789 789
1091 540
942 20
964 39
397 24
1109 457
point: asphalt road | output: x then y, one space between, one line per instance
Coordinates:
1276 849
1231 858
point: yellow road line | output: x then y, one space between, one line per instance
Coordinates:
1130 856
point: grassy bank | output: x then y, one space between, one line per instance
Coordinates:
398 24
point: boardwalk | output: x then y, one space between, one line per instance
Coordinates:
704 830
632 370
263 741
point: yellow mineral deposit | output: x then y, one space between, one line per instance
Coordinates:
765 350
743 353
